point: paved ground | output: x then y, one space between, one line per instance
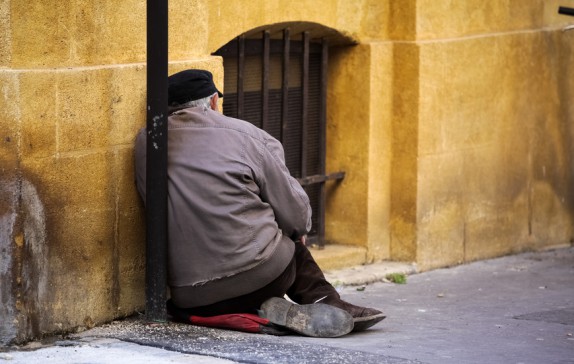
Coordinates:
516 309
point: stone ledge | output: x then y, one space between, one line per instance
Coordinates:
369 273
345 265
335 256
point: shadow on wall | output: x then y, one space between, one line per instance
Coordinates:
23 260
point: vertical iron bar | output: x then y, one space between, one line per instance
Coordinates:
323 137
265 82
156 160
305 104
240 75
565 11
285 86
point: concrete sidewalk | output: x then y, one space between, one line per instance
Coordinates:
515 309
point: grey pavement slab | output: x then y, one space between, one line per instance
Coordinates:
102 350
239 347
515 309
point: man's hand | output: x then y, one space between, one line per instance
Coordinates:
303 239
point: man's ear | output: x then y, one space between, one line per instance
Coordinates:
213 102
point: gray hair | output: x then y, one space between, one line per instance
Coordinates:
204 102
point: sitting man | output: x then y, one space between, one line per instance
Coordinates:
237 221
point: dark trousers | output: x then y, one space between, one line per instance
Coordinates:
302 280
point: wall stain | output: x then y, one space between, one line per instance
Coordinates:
23 258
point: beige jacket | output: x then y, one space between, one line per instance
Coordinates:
232 206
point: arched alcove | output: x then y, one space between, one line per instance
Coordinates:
276 77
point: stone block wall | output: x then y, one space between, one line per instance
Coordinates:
488 132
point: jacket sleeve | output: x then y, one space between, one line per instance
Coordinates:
287 198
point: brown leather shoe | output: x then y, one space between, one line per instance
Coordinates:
363 317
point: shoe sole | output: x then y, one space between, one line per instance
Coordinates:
363 323
315 320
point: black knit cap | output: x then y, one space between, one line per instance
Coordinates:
190 85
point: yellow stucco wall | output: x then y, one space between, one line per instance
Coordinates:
450 118
494 129
493 162
358 142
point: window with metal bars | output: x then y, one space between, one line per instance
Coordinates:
279 84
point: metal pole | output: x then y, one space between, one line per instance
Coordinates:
566 11
156 160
